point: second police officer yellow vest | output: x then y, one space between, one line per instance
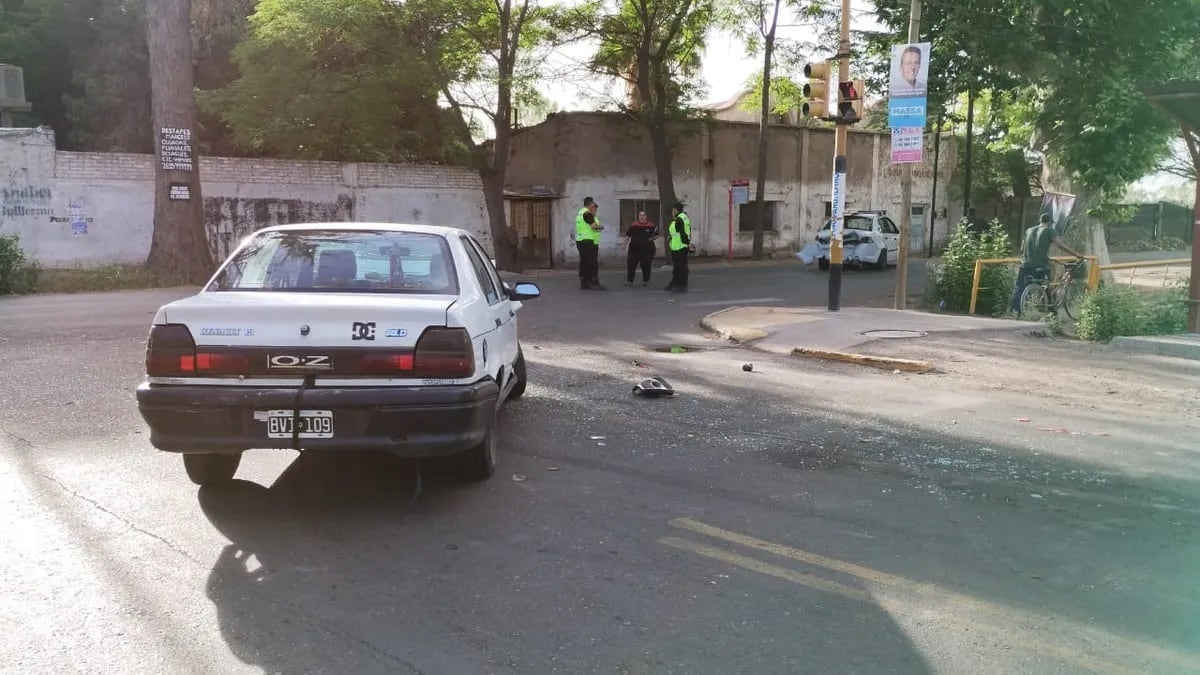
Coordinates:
675 243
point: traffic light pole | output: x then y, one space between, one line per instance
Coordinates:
906 185
838 195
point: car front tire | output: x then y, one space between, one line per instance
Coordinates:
518 389
211 469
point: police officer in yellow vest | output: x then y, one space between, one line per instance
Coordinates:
679 239
587 240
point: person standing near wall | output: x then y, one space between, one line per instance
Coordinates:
642 234
679 238
587 241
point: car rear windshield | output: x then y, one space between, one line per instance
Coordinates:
341 262
852 223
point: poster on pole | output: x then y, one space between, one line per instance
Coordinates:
838 199
908 85
908 145
1059 206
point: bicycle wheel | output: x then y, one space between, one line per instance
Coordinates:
1033 300
1071 299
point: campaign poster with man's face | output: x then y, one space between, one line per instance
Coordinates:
910 70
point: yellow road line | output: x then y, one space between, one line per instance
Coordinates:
994 612
768 569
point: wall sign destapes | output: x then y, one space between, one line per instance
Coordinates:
176 147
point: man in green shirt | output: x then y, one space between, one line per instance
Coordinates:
1035 257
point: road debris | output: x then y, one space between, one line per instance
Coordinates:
518 478
748 367
653 387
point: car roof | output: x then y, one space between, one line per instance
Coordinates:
439 230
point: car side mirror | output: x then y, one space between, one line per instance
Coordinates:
524 291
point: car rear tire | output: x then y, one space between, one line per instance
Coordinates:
479 463
882 264
211 469
518 389
823 264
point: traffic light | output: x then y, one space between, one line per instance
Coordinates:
850 104
816 91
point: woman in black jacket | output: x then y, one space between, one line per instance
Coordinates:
642 234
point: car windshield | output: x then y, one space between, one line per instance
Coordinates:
860 223
340 261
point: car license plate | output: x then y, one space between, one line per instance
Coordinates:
313 423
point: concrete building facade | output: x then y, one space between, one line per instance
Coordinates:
608 157
88 209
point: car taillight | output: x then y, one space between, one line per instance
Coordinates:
171 352
386 364
444 352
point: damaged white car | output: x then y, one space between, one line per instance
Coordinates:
869 239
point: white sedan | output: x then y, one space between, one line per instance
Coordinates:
338 336
868 238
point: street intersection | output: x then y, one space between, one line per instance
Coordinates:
1030 507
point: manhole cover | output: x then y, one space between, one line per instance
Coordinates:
895 334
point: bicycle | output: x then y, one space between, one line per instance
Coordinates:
1065 293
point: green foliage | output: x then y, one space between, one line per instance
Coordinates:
952 285
87 67
1139 245
1111 213
786 95
340 80
1114 311
656 46
1002 163
1076 64
18 274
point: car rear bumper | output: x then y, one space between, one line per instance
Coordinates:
412 421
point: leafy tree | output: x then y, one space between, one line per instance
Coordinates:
111 111
1076 63
339 80
757 22
655 45
488 55
41 36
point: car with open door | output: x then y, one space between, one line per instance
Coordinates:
334 337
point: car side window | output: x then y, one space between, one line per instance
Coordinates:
888 226
487 263
481 273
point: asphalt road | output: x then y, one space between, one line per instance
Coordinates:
800 518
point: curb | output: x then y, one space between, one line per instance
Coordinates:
881 362
735 334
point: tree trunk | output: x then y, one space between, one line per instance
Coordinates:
970 143
179 248
1193 145
504 245
764 127
662 163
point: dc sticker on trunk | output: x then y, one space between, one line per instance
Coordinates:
362 331
396 333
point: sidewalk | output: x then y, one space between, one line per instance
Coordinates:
854 334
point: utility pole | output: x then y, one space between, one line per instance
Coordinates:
901 301
838 195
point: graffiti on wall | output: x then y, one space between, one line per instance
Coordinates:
229 219
17 202
76 217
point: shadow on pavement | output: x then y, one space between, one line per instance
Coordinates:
737 528
326 566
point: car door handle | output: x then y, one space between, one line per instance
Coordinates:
498 323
